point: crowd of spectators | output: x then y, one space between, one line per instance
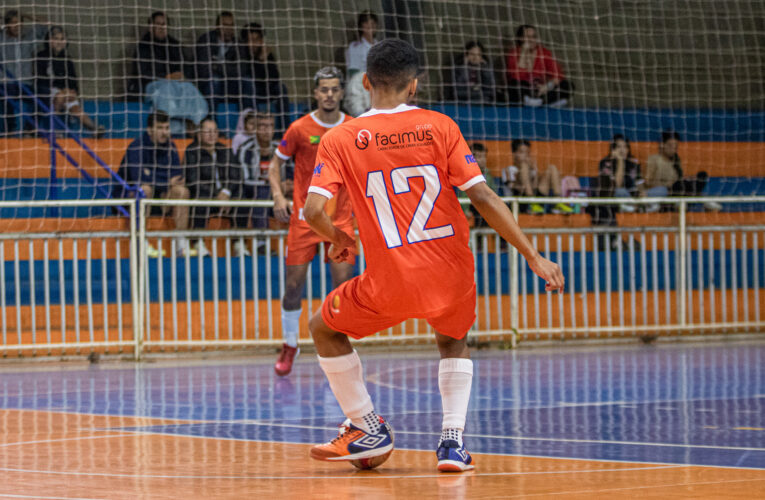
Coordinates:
237 65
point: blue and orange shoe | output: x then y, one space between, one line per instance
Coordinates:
352 443
453 458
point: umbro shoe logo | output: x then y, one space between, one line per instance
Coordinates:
370 441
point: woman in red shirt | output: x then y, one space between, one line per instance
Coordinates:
534 77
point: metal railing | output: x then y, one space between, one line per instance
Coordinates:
72 289
622 282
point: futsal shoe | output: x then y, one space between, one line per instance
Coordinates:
453 458
353 443
283 365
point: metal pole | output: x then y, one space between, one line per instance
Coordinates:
136 277
682 285
514 306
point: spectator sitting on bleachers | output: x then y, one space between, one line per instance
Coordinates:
151 163
356 53
19 42
473 77
57 79
257 84
480 157
664 173
213 50
619 174
254 147
210 173
534 77
158 55
522 178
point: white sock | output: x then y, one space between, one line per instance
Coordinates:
291 326
455 376
346 379
451 434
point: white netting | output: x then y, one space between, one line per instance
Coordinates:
635 67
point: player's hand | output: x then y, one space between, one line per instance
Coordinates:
282 209
343 248
548 271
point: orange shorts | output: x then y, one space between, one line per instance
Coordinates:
302 244
343 311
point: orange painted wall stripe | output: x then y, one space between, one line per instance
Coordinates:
30 158
581 158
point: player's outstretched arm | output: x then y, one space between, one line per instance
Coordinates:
496 213
281 203
343 245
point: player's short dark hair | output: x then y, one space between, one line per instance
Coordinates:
517 143
669 134
392 63
478 146
157 117
252 28
225 13
327 73
157 13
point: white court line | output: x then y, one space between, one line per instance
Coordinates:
483 436
631 488
79 438
350 475
9 495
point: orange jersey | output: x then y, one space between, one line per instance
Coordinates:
399 168
301 141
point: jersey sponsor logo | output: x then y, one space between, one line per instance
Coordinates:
314 139
406 139
363 138
317 169
283 143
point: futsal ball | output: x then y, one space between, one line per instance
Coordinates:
371 463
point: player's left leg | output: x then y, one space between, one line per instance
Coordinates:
294 283
364 434
455 377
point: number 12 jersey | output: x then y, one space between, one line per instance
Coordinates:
399 167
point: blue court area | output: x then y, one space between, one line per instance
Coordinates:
695 404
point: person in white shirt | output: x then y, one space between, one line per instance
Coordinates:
356 53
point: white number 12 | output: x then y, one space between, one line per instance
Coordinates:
399 177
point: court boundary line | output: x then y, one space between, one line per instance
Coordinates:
352 474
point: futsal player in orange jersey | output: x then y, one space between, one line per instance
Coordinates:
301 141
399 164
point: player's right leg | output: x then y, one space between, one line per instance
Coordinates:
364 434
294 283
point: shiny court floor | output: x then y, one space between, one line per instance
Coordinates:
673 421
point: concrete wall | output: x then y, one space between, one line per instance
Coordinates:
644 53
